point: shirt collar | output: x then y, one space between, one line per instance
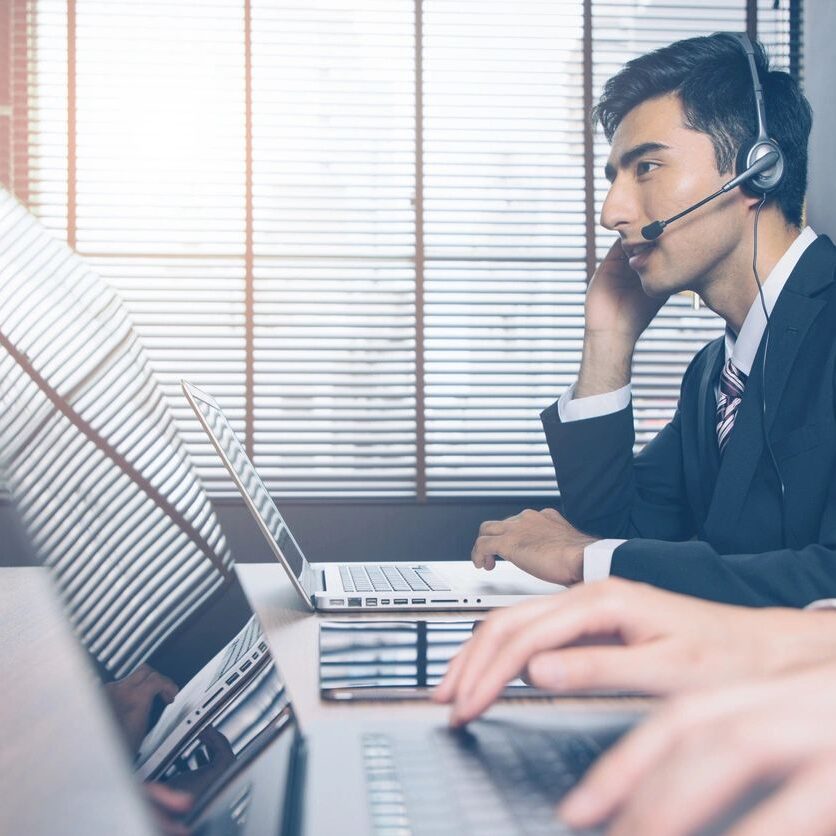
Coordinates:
743 349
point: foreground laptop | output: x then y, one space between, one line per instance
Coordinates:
434 585
232 738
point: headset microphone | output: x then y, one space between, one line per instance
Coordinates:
653 230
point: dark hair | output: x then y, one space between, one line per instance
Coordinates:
712 79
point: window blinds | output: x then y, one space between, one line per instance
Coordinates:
93 460
334 246
361 225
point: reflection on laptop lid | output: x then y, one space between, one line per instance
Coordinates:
229 736
226 680
253 490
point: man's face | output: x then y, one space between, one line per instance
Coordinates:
658 167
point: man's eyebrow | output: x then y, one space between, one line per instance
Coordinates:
633 154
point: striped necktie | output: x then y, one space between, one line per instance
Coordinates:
732 384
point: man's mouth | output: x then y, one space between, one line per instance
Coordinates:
637 248
637 253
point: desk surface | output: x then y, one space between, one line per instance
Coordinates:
63 765
294 638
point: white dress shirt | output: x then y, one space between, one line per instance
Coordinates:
597 557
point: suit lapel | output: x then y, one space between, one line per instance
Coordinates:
793 314
708 456
795 311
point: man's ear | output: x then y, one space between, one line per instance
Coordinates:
752 201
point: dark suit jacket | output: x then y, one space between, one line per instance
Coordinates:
712 528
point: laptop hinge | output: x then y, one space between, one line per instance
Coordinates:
312 580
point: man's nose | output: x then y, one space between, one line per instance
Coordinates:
618 210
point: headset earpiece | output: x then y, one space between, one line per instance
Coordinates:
764 182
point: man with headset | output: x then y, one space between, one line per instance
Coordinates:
734 500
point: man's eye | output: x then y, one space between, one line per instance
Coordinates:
645 167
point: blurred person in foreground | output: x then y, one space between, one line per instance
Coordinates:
749 719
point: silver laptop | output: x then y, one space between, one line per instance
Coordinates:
232 738
226 678
434 585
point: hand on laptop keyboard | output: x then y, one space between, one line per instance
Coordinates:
493 779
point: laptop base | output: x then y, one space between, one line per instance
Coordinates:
470 589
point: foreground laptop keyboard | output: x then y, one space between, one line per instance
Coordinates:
504 779
392 578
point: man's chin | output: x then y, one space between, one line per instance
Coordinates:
655 289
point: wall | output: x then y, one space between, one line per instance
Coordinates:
380 531
819 80
348 531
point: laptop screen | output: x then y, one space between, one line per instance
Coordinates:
203 708
208 715
247 480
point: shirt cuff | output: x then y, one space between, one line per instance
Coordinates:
821 604
571 409
597 559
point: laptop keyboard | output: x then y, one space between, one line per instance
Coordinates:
377 578
504 779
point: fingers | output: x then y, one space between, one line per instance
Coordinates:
613 776
485 549
493 534
720 745
587 668
167 688
481 554
581 611
167 803
805 804
619 773
156 684
492 527
445 689
499 621
505 643
509 640
173 801
149 682
693 786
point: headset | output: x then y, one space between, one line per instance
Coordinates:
759 171
760 164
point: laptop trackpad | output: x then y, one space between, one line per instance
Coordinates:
504 579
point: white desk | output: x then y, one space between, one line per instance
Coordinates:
293 633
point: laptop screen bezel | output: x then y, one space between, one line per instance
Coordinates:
303 584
